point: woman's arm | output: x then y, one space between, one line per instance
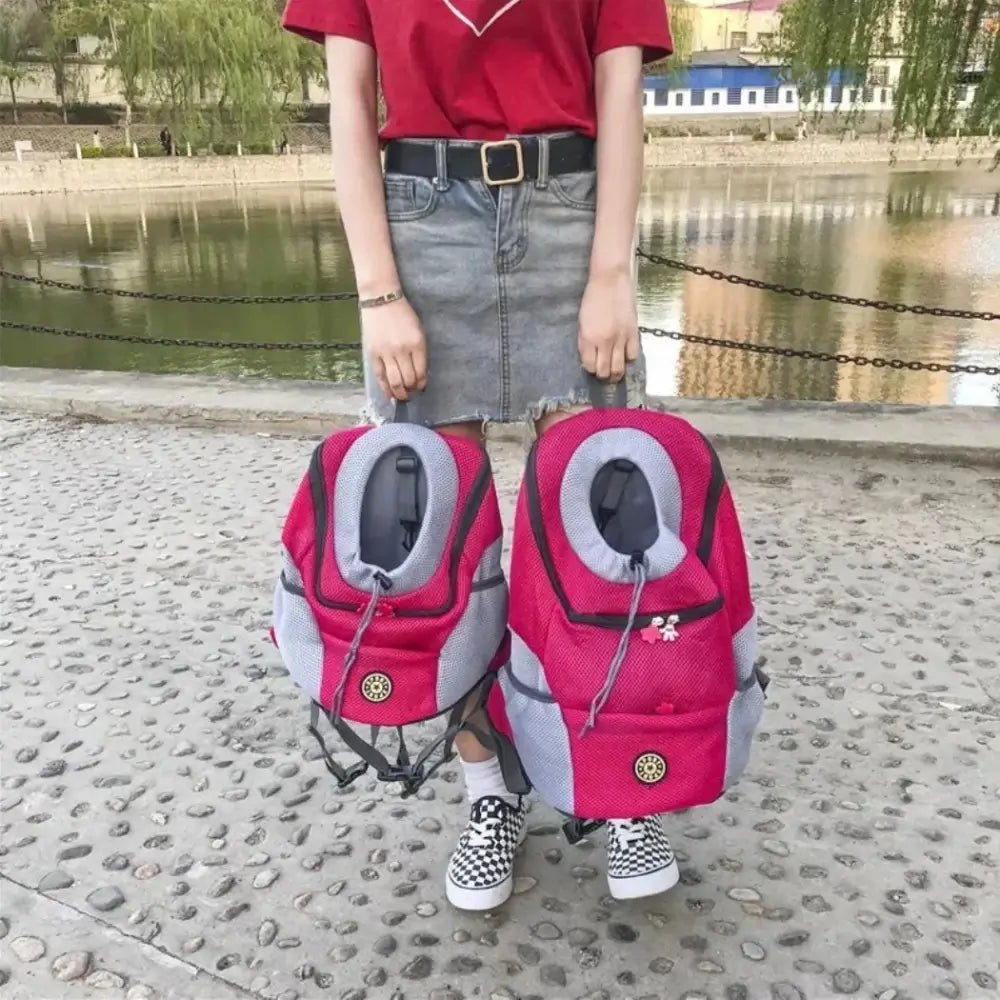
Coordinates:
619 159
609 334
391 333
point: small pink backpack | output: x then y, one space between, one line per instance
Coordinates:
631 688
391 608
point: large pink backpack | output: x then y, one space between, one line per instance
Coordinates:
391 607
631 688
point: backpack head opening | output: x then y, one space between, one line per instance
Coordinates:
622 505
392 508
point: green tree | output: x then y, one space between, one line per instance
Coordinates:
56 46
939 41
123 26
682 14
19 36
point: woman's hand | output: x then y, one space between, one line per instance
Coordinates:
395 342
609 326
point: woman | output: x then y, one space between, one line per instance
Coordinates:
494 258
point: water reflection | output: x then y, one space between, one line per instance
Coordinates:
928 237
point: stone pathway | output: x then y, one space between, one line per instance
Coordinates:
168 833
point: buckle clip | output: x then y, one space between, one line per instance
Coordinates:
484 151
351 774
409 776
576 829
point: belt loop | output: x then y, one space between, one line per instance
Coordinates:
543 163
441 180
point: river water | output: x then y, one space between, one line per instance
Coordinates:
910 235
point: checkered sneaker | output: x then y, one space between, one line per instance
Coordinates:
481 871
641 861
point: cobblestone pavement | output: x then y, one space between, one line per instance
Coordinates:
167 831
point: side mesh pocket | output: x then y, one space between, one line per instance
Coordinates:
478 634
296 632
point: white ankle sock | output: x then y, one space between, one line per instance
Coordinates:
484 778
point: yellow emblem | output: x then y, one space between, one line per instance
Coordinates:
650 768
376 687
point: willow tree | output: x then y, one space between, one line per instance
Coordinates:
123 27
682 14
19 35
940 42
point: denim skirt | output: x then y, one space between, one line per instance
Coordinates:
496 276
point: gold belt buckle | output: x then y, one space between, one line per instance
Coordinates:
484 149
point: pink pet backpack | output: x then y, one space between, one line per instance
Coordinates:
631 688
391 607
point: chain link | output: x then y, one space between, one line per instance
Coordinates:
805 293
689 338
126 293
223 345
678 265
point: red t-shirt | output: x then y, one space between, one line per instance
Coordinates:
486 69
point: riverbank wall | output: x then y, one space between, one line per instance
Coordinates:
39 175
286 407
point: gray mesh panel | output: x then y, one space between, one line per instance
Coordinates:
540 733
442 498
471 647
299 642
745 650
290 570
745 712
651 457
491 565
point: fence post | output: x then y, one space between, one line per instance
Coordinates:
79 152
239 148
189 148
135 150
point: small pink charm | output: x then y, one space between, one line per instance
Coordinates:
650 634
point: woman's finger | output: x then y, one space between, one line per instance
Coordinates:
397 385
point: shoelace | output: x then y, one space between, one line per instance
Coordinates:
482 832
627 832
378 590
638 567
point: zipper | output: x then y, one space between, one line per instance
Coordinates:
467 519
677 616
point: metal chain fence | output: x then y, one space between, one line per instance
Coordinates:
752 347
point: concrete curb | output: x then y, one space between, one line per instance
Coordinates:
299 408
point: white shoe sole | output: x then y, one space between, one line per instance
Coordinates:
640 886
478 900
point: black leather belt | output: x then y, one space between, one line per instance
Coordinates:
506 161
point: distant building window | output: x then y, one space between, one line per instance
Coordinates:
852 96
789 97
645 98
836 94
868 95
770 95
751 96
884 96
961 94
878 76
716 99
734 95
661 97
697 98
765 39
738 40
679 98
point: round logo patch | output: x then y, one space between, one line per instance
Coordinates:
376 687
650 768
